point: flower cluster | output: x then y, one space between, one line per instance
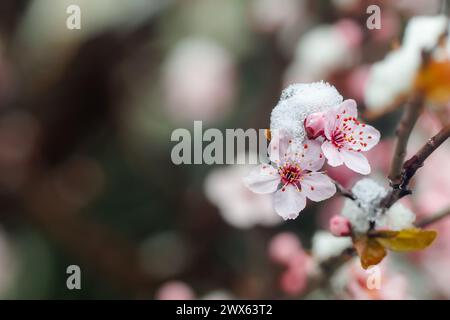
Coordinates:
310 124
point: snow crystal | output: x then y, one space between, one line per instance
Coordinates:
399 217
325 245
297 102
365 209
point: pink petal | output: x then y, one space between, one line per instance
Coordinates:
355 161
332 154
348 108
367 137
311 158
318 186
331 122
279 145
262 179
334 116
288 202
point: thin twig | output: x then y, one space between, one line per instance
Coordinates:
344 191
411 166
410 115
434 218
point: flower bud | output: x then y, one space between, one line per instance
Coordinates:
315 125
340 226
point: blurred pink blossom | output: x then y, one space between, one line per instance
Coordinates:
199 81
175 290
269 16
238 206
351 32
356 82
286 250
393 286
433 182
283 247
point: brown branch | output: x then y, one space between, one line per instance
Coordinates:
411 166
434 218
410 115
343 191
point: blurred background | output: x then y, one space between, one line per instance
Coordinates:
85 123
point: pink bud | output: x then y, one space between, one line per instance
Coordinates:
315 125
283 247
340 226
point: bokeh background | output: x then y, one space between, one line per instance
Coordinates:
85 123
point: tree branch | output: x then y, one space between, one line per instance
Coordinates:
343 191
410 115
434 218
411 166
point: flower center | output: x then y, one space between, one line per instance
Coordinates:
339 137
290 174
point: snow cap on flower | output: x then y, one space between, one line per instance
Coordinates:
392 77
398 217
326 246
423 32
364 209
297 102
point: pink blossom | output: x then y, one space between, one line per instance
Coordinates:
351 32
340 226
294 280
392 285
346 138
293 176
175 290
284 247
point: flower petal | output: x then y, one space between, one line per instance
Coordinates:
332 154
318 186
279 145
288 202
348 108
311 157
262 179
355 161
367 137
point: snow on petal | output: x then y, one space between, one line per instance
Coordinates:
318 186
288 202
297 102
